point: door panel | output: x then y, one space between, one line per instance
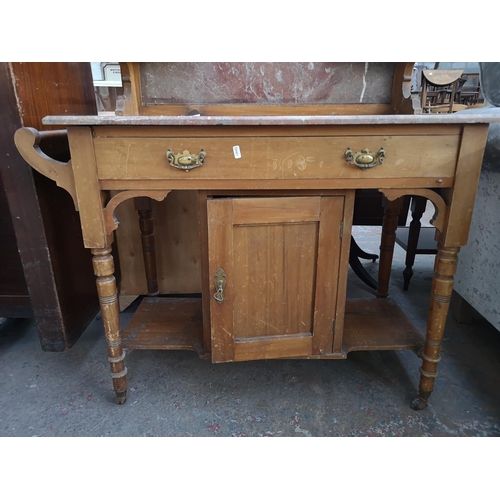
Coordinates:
280 258
275 267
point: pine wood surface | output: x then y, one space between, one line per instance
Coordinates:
284 256
177 244
311 130
461 202
277 158
88 194
188 184
374 324
220 256
166 323
328 294
176 323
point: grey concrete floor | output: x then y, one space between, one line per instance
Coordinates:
173 393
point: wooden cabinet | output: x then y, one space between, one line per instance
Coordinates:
274 251
274 242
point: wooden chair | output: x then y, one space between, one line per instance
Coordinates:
469 92
439 88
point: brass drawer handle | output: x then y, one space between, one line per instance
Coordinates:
365 159
185 160
220 284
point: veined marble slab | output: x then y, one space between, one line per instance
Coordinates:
460 118
266 82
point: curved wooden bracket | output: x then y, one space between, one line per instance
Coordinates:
27 141
401 102
110 221
406 83
438 219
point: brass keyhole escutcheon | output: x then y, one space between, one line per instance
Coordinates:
220 285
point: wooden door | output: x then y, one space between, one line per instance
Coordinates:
279 258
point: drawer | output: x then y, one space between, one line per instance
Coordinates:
276 157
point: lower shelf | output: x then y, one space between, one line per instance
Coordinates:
166 323
378 324
177 324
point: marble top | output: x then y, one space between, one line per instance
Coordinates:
487 115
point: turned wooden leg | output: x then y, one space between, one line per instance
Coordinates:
417 210
442 285
389 226
145 209
106 288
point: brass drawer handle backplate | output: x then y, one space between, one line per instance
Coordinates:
365 159
185 160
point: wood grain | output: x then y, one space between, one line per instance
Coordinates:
349 199
270 210
285 255
104 269
204 264
345 130
461 203
401 88
53 88
220 256
372 324
276 158
273 347
327 292
166 323
27 141
275 268
87 187
41 211
178 252
445 267
279 184
14 297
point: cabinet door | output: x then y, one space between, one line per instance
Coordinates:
277 263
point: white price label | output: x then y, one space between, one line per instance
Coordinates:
237 152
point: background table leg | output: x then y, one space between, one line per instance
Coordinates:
418 204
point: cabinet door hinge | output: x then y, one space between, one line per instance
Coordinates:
342 229
333 326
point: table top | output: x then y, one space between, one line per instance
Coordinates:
486 115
